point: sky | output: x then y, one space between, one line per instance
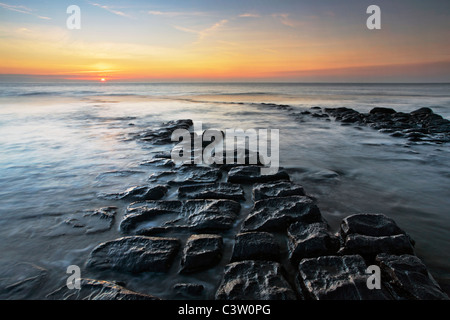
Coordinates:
233 40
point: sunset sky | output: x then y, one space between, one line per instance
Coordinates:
233 40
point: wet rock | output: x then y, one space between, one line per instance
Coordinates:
409 278
138 193
369 224
163 134
277 189
188 175
212 191
85 222
139 212
277 213
337 278
255 246
254 280
369 246
310 240
252 174
188 290
379 110
21 280
201 252
98 290
158 162
422 111
135 254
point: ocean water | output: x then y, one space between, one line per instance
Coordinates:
62 144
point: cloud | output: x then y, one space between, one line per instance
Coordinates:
22 9
202 34
249 15
286 19
111 10
175 13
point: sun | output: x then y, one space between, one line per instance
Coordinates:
102 80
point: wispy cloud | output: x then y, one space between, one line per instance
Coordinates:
176 13
286 19
249 15
22 9
111 10
202 34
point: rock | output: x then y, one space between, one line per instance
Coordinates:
337 278
98 290
252 174
409 278
254 280
277 213
422 111
188 289
212 191
277 189
369 246
255 246
85 222
138 193
370 225
21 280
139 212
135 254
201 252
158 162
188 175
310 240
378 110
163 134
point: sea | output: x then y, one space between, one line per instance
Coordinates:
62 144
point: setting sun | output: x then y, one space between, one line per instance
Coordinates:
103 80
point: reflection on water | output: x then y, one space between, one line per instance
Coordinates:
59 151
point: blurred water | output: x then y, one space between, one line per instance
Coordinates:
62 144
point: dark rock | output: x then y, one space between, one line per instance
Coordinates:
379 110
277 189
254 280
98 290
370 225
422 111
337 278
85 222
158 162
252 174
135 254
255 246
201 252
163 134
138 193
369 246
21 280
409 278
212 191
188 289
277 213
310 240
139 212
187 175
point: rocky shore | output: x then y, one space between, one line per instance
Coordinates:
282 246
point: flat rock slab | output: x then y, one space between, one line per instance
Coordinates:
135 254
252 174
409 278
369 246
98 290
310 240
337 278
205 215
254 280
188 175
201 252
212 191
278 213
369 224
163 134
139 212
85 222
255 246
138 193
277 189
